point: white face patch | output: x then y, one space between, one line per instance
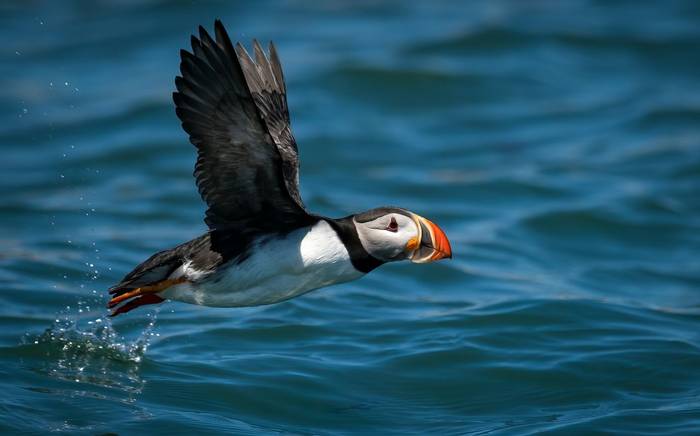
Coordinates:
387 237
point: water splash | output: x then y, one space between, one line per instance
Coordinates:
85 349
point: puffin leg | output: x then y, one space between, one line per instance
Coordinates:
149 289
136 302
125 296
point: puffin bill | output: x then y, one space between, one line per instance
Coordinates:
262 245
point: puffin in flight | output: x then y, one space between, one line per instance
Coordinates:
262 245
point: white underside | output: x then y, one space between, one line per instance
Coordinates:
277 269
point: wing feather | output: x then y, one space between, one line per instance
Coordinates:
277 68
235 112
271 99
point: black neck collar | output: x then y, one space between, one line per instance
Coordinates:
360 258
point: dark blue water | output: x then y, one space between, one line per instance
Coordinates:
557 143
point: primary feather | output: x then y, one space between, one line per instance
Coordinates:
235 111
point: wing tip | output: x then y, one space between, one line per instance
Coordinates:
185 55
205 38
219 25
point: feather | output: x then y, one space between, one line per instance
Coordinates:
235 111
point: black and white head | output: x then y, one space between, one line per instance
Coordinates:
391 234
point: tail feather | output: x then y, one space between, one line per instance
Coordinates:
144 275
154 275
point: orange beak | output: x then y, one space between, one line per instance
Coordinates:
433 245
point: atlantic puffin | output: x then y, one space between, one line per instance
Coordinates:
262 245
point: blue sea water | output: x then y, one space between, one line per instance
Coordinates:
556 142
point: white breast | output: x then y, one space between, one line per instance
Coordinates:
277 269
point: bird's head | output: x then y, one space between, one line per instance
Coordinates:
390 234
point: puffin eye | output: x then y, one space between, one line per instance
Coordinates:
393 225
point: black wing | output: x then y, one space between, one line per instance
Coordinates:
235 111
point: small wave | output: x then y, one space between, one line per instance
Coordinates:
497 38
594 226
375 86
488 38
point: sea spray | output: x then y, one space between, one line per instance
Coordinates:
83 348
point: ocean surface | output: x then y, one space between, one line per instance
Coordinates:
557 143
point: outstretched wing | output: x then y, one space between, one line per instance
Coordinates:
235 111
